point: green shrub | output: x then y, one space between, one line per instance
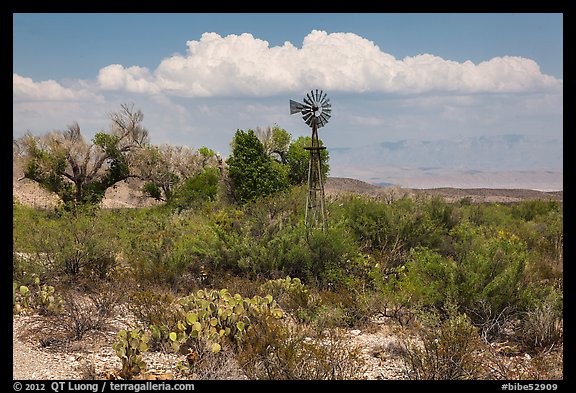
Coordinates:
531 209
159 311
490 278
488 214
324 257
269 215
427 280
165 249
25 220
485 276
392 229
544 237
340 307
73 245
327 258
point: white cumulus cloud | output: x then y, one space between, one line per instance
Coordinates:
248 66
134 79
25 89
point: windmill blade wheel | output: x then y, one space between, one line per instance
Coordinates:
316 108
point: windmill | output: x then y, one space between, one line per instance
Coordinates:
316 110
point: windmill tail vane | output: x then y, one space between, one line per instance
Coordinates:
316 110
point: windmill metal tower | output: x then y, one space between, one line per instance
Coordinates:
316 110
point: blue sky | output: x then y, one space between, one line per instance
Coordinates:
391 77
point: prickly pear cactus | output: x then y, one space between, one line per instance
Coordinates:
218 318
25 292
39 298
49 302
128 346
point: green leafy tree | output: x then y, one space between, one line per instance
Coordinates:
297 159
77 171
252 172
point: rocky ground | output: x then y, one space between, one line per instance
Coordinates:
92 357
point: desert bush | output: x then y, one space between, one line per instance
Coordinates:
205 364
442 215
243 244
389 231
27 266
542 326
325 258
448 351
487 214
544 365
428 279
153 307
371 223
325 316
79 316
227 246
157 310
544 237
277 351
25 219
543 234
491 273
267 215
164 250
537 223
341 307
106 295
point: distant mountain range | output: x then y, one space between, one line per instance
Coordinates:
485 161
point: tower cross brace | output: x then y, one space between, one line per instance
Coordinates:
315 216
